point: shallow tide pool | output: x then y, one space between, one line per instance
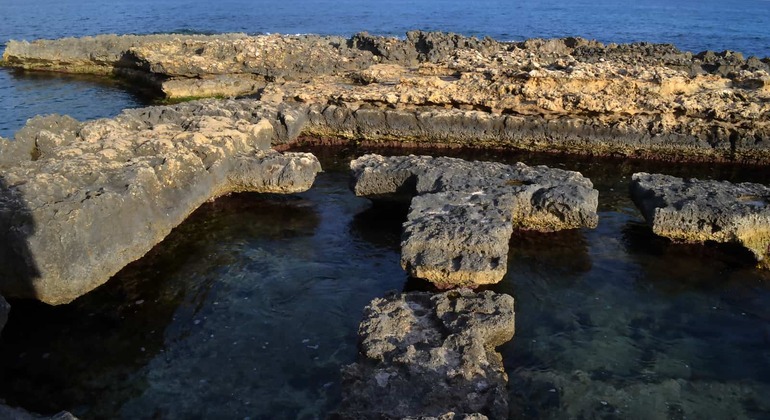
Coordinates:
250 308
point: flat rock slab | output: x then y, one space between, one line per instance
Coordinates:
463 214
79 201
691 210
430 355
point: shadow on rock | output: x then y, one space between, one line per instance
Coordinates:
18 268
89 356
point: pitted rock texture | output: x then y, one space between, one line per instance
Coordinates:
430 355
568 95
464 213
79 201
691 210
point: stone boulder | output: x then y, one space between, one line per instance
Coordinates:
464 213
430 355
692 210
87 200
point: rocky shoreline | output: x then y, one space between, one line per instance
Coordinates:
80 200
562 95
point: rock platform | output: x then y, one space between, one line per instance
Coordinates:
463 214
691 210
561 95
429 355
79 201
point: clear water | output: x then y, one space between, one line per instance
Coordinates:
250 308
693 25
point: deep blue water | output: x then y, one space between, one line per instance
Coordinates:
693 25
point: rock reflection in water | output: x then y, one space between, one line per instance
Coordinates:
251 307
649 330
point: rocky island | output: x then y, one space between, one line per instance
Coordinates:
81 200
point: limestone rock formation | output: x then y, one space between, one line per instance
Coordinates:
691 210
79 201
568 95
430 355
462 218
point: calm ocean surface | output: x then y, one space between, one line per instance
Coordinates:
692 25
250 307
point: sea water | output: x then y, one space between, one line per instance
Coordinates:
692 25
250 307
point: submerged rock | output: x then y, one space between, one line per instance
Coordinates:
425 355
464 213
80 201
691 210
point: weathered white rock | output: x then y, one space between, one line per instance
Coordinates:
430 355
464 213
692 210
80 201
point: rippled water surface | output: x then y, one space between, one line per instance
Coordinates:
250 308
693 25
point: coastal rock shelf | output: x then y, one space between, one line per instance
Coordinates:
464 213
79 201
567 95
691 210
430 355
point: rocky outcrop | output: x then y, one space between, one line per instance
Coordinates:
79 201
464 213
12 413
424 355
566 95
691 210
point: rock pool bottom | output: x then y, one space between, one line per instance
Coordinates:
250 308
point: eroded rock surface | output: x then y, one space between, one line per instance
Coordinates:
569 95
464 213
79 201
13 413
691 210
430 355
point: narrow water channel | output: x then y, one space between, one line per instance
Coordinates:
250 308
